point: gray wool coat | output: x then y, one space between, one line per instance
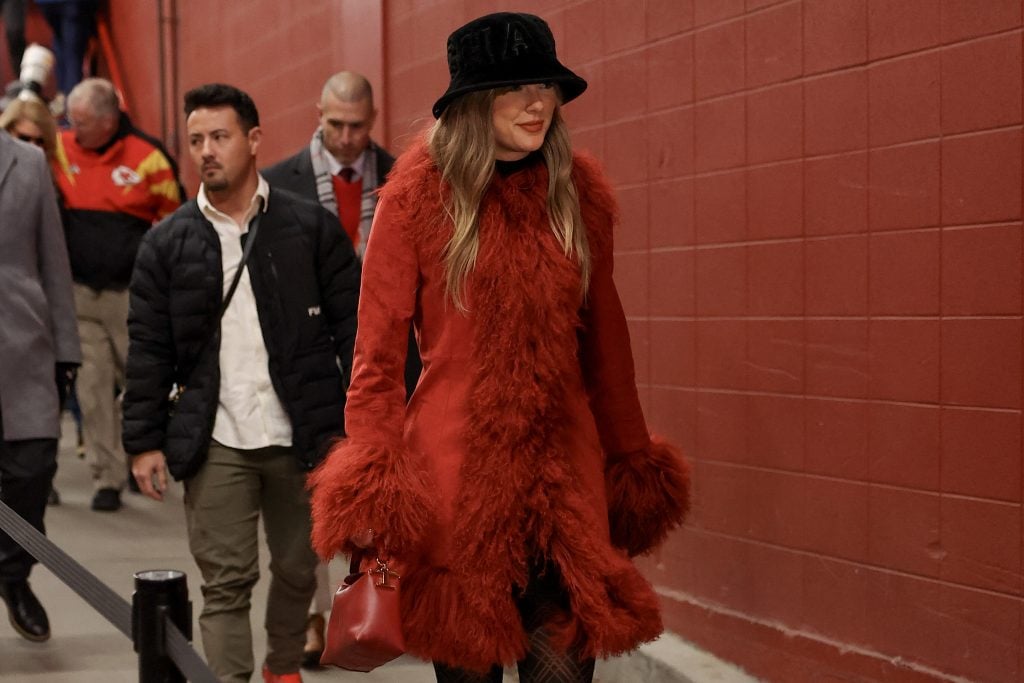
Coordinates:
37 309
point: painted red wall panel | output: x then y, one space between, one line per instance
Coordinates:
821 261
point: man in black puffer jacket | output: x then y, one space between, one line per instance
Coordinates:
259 382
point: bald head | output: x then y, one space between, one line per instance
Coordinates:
347 86
346 116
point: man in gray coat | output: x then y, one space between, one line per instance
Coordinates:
38 353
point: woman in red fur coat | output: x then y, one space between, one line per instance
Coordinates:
520 478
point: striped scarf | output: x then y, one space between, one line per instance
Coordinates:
325 186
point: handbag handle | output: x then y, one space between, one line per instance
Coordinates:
382 571
356 561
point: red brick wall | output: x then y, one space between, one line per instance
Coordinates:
279 52
820 259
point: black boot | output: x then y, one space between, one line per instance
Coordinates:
26 614
106 500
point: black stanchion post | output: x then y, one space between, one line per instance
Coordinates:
160 595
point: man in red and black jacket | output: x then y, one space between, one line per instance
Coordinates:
115 183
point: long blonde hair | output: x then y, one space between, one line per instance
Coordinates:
33 110
462 145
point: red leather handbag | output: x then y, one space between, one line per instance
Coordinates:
365 629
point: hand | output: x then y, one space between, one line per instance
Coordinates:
363 540
65 377
150 471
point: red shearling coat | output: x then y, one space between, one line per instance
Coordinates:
524 438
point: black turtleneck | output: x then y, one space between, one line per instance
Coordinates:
507 168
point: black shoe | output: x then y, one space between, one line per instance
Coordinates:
26 614
53 498
314 648
311 660
107 500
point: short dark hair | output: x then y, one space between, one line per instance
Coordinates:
221 95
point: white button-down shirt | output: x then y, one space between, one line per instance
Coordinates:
249 413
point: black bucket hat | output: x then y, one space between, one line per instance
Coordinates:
506 48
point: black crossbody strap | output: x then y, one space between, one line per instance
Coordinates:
250 239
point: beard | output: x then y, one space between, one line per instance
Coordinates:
217 183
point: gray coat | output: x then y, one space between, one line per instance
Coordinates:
37 310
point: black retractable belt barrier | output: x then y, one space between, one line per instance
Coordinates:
112 606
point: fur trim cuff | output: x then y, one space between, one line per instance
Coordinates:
648 496
363 486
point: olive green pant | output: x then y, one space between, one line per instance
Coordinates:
223 503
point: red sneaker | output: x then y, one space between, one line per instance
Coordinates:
268 677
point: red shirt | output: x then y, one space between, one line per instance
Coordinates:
350 201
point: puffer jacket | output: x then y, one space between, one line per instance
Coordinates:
305 278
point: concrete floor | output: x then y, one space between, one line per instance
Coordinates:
85 648
145 534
